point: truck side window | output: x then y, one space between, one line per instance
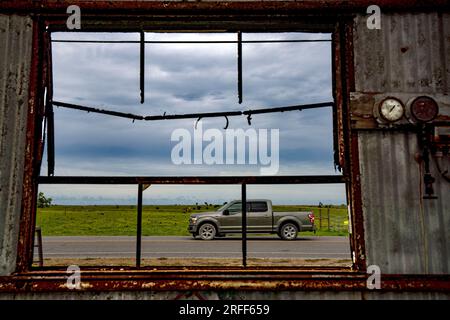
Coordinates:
235 207
260 206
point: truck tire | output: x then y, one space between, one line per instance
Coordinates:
288 231
207 231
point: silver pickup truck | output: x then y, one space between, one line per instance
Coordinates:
260 219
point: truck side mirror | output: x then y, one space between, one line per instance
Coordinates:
226 212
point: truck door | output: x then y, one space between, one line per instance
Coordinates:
259 218
233 221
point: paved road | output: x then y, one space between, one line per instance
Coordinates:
187 247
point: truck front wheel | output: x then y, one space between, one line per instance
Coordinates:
288 231
207 231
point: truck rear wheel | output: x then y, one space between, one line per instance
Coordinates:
207 231
288 231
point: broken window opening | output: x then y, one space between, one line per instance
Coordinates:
247 113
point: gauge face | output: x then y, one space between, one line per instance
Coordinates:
391 109
424 109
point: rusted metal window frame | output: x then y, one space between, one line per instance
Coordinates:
192 277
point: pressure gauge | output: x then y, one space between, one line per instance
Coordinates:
424 109
391 109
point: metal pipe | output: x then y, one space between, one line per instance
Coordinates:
239 64
289 108
94 110
139 226
193 115
142 66
244 224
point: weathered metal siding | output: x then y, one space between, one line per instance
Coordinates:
15 60
404 233
410 53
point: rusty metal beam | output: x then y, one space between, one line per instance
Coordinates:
351 152
49 115
32 150
140 7
311 179
245 279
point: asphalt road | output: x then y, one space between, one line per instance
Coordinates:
187 247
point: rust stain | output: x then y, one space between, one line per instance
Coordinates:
142 6
116 281
26 232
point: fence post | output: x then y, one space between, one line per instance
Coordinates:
320 218
328 214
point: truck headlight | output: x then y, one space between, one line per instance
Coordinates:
193 220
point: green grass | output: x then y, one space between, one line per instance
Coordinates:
163 220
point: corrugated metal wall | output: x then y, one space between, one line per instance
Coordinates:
404 233
410 53
15 60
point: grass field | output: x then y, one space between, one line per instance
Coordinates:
163 220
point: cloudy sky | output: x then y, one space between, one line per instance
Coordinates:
187 78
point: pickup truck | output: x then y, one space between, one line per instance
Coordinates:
260 219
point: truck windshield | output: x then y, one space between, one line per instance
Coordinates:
223 207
